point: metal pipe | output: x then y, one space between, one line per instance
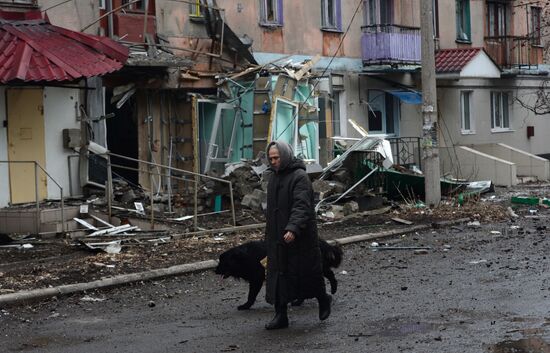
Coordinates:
232 204
196 201
169 179
70 175
348 190
36 197
109 188
152 201
63 228
156 164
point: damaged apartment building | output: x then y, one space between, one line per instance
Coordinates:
175 88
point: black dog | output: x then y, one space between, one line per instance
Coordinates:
243 261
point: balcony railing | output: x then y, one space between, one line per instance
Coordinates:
390 44
514 51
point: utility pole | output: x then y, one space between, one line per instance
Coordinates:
430 151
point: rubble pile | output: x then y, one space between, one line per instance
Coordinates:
249 179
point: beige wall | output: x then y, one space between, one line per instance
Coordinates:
520 118
301 33
73 15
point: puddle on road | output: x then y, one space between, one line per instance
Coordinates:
524 345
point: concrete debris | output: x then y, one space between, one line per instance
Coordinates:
511 212
88 298
255 199
474 224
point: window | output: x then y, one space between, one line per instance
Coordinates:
465 112
500 116
497 19
271 12
378 12
535 25
331 14
136 6
463 33
102 4
383 112
196 10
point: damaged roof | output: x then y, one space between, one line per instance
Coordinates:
33 50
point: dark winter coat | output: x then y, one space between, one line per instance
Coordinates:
294 270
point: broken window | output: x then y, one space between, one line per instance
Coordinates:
331 14
383 112
195 9
497 19
271 12
463 31
138 6
500 114
378 12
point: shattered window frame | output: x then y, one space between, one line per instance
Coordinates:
274 18
390 112
463 21
134 7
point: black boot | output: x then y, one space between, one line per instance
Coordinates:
280 320
324 306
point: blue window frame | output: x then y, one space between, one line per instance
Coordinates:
271 12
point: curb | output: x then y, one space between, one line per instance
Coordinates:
28 295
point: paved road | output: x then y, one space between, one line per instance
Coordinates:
473 292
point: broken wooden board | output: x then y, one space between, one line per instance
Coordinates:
402 221
307 66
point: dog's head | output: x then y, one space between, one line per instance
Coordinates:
230 263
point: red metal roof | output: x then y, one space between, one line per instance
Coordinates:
454 60
32 50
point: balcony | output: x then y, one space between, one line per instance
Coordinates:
390 44
514 51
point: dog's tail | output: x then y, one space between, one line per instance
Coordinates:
334 254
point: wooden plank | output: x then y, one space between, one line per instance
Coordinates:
403 221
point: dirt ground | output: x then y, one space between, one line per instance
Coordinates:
59 261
